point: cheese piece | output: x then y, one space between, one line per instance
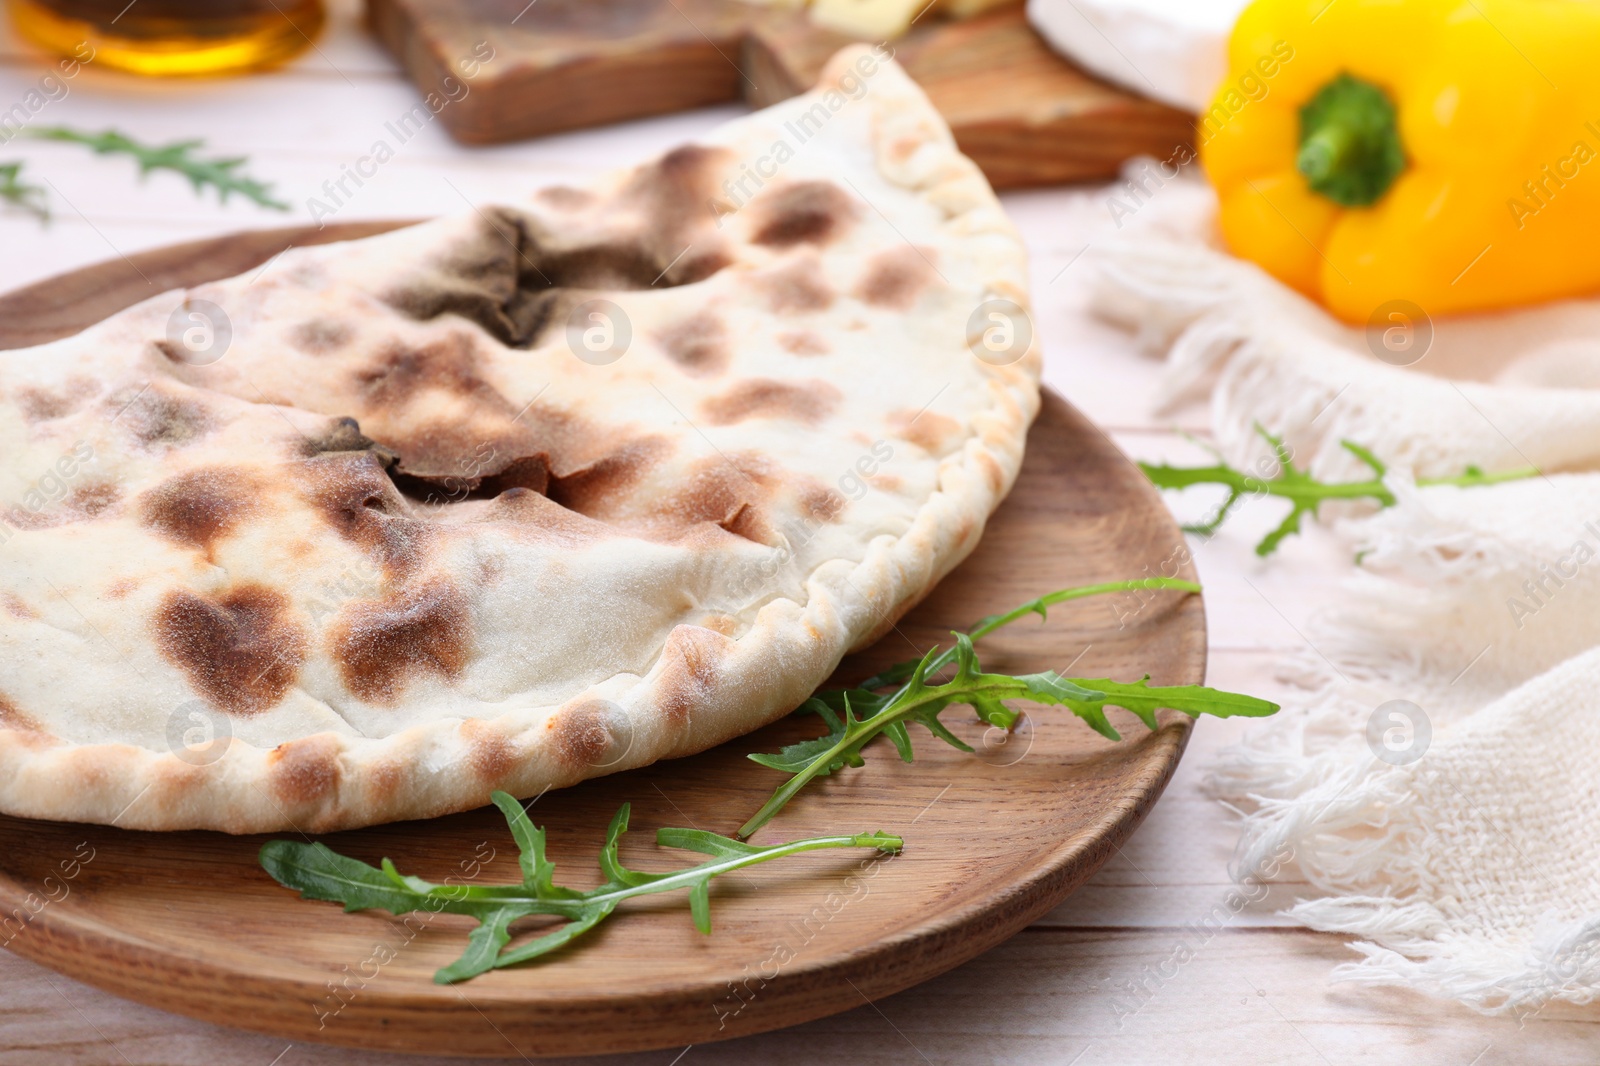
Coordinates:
1174 51
877 20
884 19
965 9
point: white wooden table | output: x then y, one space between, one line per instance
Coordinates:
1089 984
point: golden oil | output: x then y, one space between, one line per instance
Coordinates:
172 37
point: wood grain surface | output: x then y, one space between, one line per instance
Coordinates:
1017 109
1023 113
188 922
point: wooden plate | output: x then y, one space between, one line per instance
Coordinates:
188 922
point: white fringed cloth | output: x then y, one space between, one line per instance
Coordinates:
1463 855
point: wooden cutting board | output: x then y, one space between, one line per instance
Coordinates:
1024 114
190 923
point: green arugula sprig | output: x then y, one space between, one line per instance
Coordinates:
21 194
1304 492
319 872
221 174
856 716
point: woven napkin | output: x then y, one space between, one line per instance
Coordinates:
1437 777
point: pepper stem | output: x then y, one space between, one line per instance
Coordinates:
1350 148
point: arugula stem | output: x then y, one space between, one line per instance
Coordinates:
993 622
1061 596
320 873
849 740
1305 493
221 174
22 194
1475 478
686 878
581 903
1172 477
998 621
914 700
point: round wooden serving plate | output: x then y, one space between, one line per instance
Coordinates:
190 923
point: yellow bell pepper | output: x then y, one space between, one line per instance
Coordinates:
1441 152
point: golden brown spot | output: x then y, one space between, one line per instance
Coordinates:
12 718
698 344
807 212
491 570
490 753
677 245
895 278
808 401
750 523
353 494
934 433
679 182
304 771
201 507
697 264
241 652
94 498
400 372
385 778
691 665
155 417
29 519
176 779
41 405
596 488
121 588
565 198
721 623
451 458
991 471
381 646
820 502
903 148
803 343
672 193
796 287
566 439
729 496
321 336
581 733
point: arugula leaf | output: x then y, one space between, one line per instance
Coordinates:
21 194
1304 492
179 156
318 872
918 701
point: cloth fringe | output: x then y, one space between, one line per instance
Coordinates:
1472 869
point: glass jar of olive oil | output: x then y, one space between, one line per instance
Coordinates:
172 37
